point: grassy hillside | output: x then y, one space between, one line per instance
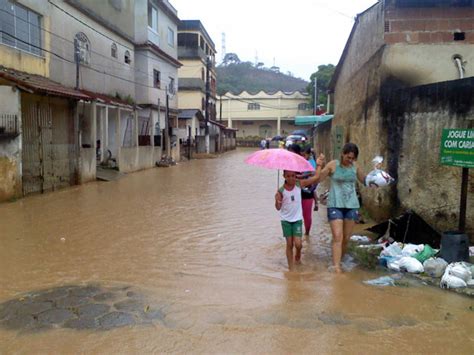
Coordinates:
237 77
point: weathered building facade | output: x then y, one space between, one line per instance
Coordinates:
396 87
195 51
264 114
83 83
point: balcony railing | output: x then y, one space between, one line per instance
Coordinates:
9 126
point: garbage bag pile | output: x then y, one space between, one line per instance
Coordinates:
421 259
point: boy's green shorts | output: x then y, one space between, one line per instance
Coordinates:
292 229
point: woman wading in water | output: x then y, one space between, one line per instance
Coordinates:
343 204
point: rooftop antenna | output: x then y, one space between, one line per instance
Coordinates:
256 58
223 47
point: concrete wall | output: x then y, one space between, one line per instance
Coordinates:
147 61
10 148
257 128
191 99
24 61
87 165
192 68
115 12
142 31
414 119
120 75
422 43
377 110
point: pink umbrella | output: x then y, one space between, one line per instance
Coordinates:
280 159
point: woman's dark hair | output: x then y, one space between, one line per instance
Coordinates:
350 148
295 148
308 150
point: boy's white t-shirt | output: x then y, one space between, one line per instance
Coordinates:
291 210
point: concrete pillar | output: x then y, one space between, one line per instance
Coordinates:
135 128
118 131
106 129
152 128
93 135
229 117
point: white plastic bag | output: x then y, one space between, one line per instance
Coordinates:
450 281
378 177
412 249
394 264
392 250
411 265
459 270
360 239
435 267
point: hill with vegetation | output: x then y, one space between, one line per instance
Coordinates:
236 77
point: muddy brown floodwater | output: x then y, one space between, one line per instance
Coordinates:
200 243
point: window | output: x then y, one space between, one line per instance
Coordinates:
247 123
127 57
171 86
20 27
152 17
253 106
84 48
113 50
201 42
170 37
303 106
156 79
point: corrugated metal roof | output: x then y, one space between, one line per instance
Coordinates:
40 84
190 113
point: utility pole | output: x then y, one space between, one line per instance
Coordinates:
77 57
315 95
208 94
167 124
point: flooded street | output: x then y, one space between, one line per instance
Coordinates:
202 241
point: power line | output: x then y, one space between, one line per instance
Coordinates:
92 51
100 33
88 67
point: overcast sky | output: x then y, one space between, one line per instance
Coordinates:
298 35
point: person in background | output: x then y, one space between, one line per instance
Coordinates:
307 193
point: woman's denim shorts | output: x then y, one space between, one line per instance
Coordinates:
342 213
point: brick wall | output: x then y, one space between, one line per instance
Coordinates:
428 25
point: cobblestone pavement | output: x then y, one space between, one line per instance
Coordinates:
79 307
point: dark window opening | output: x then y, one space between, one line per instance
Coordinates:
459 36
188 40
156 79
127 58
387 26
113 50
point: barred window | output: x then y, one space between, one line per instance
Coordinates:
253 106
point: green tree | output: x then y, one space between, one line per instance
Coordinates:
324 76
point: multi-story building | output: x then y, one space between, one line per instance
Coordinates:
196 51
264 114
155 36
